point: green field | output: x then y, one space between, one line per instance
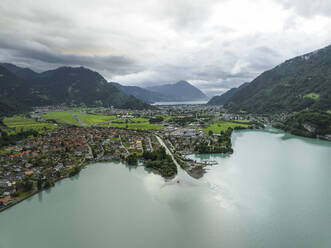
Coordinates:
91 119
137 126
313 96
218 126
61 117
134 123
19 124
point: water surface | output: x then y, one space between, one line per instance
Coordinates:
274 191
182 103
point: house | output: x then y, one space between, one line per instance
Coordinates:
28 173
5 200
28 165
3 184
59 167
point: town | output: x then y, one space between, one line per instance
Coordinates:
36 162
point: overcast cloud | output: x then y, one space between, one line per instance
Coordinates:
214 44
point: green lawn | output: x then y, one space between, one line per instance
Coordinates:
134 123
61 117
313 96
218 126
19 123
91 119
137 126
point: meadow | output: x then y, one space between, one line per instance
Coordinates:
313 96
19 123
61 117
92 119
218 126
134 123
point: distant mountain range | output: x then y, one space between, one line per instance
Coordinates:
224 98
22 88
180 91
300 83
140 93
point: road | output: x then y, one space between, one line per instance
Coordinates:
78 119
150 144
123 145
181 174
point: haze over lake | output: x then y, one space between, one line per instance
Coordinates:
274 191
181 103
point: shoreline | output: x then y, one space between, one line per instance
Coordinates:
196 172
30 194
85 165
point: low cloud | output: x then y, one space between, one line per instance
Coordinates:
216 45
308 8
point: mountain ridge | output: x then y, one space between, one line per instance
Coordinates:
303 82
179 91
222 99
162 93
140 93
72 86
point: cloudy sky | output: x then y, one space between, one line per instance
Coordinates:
214 44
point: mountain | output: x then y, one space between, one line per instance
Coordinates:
65 85
312 124
180 91
81 86
16 94
23 73
222 99
140 93
300 83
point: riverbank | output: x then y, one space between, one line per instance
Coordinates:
84 164
36 191
307 123
245 201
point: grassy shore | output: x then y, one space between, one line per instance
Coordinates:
218 126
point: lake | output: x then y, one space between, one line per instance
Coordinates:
182 103
274 191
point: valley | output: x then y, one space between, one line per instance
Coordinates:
60 142
165 124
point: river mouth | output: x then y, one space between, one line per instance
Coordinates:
271 192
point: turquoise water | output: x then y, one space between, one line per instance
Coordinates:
274 191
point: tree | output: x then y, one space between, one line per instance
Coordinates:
27 185
74 171
49 183
132 159
40 184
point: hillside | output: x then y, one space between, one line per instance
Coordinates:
222 99
65 85
16 94
297 84
309 124
81 86
141 93
180 91
22 73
